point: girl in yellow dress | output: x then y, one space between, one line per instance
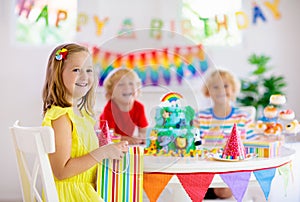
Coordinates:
68 98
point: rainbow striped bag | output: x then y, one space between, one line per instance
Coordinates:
120 181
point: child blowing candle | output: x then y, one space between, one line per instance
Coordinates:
123 112
68 98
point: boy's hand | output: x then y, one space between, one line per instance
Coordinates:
133 140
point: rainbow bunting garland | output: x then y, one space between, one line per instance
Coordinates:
154 67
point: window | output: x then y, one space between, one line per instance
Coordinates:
212 22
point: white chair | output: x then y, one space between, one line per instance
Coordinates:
32 145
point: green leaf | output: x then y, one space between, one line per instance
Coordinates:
268 84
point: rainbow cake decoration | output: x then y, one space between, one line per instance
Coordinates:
171 97
173 133
234 148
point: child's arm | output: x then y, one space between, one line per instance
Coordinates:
142 135
139 139
133 140
63 166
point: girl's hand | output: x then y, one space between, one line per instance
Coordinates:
111 151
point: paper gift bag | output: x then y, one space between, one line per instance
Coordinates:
121 181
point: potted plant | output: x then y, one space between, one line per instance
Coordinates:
257 88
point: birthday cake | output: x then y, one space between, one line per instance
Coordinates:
173 133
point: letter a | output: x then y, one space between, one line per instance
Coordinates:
44 14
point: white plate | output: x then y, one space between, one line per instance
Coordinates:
217 157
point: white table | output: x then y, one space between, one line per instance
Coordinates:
195 165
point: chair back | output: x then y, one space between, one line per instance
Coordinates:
32 145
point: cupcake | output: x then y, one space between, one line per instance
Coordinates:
292 127
270 112
287 114
277 99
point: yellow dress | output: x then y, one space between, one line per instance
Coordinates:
81 187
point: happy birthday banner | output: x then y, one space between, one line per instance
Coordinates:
59 20
155 66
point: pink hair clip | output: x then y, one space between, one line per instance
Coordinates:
61 54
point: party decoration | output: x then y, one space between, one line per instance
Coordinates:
154 67
61 16
274 8
241 15
154 75
156 26
222 23
82 19
160 181
99 24
45 22
165 63
141 68
43 14
195 184
172 96
238 183
257 13
284 171
234 148
25 6
126 30
264 178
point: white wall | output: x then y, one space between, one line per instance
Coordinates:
23 69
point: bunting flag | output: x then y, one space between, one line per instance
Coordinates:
154 66
264 178
154 184
238 183
284 171
195 184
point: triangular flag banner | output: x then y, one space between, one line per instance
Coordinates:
237 182
284 172
264 178
195 184
154 184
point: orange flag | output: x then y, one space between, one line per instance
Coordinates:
154 184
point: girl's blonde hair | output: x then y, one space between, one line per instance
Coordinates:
115 76
54 91
221 74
